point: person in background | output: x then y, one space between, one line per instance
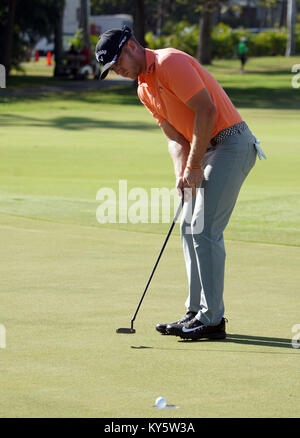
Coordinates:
242 53
85 56
72 59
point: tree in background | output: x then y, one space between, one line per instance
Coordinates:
153 14
58 11
204 52
291 19
23 23
139 21
157 13
84 23
8 9
206 8
136 8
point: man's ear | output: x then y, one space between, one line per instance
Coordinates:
131 45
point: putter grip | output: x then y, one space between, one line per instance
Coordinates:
180 207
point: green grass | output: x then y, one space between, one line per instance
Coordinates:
68 282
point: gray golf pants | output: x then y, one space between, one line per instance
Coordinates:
205 217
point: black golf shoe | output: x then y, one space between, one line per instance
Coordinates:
162 328
195 330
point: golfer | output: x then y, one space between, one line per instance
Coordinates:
212 149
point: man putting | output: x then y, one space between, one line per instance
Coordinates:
212 148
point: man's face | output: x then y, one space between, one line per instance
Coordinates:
127 64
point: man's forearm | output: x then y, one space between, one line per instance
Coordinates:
179 147
203 129
179 153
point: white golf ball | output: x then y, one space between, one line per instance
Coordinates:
160 403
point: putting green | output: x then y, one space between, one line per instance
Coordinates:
67 282
65 290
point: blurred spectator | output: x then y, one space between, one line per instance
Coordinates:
85 57
72 59
72 54
242 50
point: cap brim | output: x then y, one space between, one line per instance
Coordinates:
105 69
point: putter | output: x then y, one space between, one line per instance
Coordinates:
131 330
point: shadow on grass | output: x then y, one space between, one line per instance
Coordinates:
261 341
265 98
35 88
25 80
281 72
71 123
120 92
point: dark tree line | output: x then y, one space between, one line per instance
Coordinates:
154 15
26 21
7 16
23 23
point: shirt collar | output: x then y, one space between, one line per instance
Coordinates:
150 60
150 64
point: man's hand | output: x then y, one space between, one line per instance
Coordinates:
192 177
180 186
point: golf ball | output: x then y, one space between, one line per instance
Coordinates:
160 403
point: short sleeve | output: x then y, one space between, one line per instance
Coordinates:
181 76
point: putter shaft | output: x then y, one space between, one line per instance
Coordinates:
159 256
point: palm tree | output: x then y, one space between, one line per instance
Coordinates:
8 32
291 18
139 21
207 7
58 36
84 22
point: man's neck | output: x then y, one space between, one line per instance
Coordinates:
143 61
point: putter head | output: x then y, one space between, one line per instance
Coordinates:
126 330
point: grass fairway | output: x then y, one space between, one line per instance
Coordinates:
68 282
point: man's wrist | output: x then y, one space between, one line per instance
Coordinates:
194 167
194 162
196 156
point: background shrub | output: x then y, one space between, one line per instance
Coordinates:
184 36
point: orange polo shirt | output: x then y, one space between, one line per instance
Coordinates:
172 78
